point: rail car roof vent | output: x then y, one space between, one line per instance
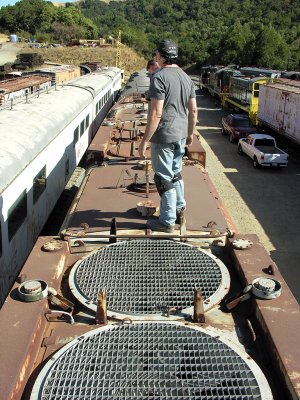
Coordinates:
142 277
151 361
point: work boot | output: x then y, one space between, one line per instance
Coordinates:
156 225
180 216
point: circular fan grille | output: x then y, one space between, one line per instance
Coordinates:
150 361
149 276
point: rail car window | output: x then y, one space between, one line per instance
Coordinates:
39 184
256 89
82 127
76 135
87 121
17 214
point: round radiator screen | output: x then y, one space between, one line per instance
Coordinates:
150 361
149 277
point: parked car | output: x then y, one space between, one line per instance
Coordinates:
35 45
262 149
237 126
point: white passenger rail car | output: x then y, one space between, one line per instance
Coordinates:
42 142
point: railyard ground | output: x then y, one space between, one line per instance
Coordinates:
264 202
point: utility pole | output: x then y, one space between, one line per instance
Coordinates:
118 57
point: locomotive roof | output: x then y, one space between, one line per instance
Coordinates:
138 83
247 81
260 71
28 128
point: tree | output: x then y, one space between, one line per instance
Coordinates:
293 62
271 49
237 45
65 33
135 38
32 16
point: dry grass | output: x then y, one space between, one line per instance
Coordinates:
3 38
130 60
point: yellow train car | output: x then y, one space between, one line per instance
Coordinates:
244 93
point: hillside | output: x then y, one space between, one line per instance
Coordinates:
264 33
130 60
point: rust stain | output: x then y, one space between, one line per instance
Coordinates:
24 371
22 375
275 309
60 267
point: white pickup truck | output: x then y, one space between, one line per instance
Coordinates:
263 151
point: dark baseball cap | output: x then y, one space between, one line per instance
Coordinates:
167 48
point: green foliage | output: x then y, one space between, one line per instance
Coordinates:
264 33
294 56
218 32
271 49
43 37
39 17
237 44
135 38
27 15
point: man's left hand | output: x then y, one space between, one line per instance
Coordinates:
189 140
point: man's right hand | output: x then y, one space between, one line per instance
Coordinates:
142 149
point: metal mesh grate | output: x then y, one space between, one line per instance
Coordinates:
150 361
146 276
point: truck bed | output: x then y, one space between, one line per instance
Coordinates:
269 150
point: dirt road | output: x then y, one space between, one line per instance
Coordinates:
264 202
8 53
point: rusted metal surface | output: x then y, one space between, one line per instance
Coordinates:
113 231
279 318
196 152
99 146
24 323
142 234
147 179
107 201
15 84
199 316
101 313
60 301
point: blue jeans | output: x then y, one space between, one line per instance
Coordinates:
166 161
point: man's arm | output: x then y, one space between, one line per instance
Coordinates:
154 116
192 119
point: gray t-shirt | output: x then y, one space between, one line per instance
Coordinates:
175 87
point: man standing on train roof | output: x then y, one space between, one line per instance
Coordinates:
152 66
171 123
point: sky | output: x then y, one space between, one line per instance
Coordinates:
12 2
